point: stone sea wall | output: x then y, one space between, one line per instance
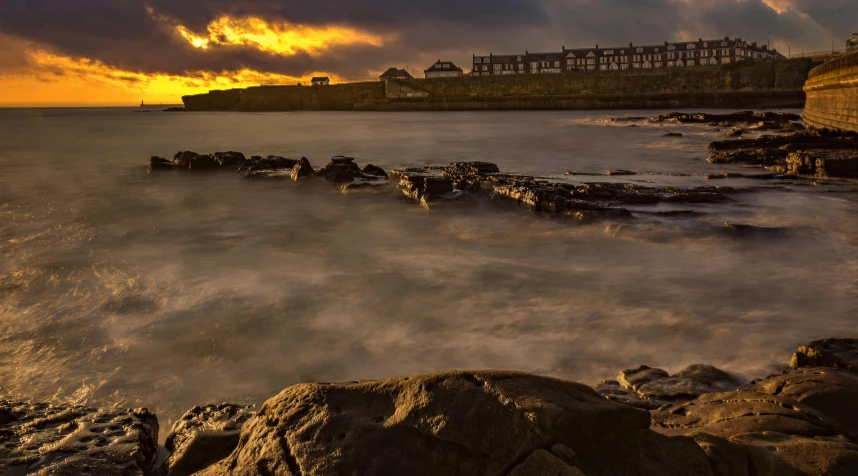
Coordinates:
742 85
832 95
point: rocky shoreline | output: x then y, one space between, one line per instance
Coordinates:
791 156
700 421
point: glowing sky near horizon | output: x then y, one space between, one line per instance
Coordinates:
65 52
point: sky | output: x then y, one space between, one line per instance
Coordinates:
121 52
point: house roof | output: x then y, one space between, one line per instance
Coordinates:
443 66
393 72
320 78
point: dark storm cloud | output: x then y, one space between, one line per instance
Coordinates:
122 33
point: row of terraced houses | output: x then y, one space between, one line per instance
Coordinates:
669 55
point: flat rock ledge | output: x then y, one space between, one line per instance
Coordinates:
698 421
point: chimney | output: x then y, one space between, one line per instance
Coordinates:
700 40
666 43
754 44
631 45
726 38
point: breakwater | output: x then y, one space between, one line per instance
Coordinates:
832 94
743 85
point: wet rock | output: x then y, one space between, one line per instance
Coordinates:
758 156
474 168
691 382
229 158
733 413
621 172
204 436
422 186
302 169
340 170
632 379
826 390
834 353
735 133
673 134
721 119
263 165
195 162
468 423
612 390
159 163
63 439
824 163
802 140
374 171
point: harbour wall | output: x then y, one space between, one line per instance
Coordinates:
832 95
742 85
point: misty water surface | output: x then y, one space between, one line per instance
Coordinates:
122 288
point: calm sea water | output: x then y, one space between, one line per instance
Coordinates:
122 288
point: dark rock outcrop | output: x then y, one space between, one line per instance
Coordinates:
204 436
64 439
374 171
835 353
823 163
456 423
301 169
229 158
340 170
195 162
160 163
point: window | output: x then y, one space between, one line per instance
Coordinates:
658 64
639 50
556 64
591 60
487 60
655 50
671 47
478 60
518 59
609 52
691 46
534 65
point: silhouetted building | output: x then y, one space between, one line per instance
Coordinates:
669 55
320 81
443 69
394 73
852 43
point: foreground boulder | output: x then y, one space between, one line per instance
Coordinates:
204 436
750 433
456 423
63 439
826 390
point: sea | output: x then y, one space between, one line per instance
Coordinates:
121 288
